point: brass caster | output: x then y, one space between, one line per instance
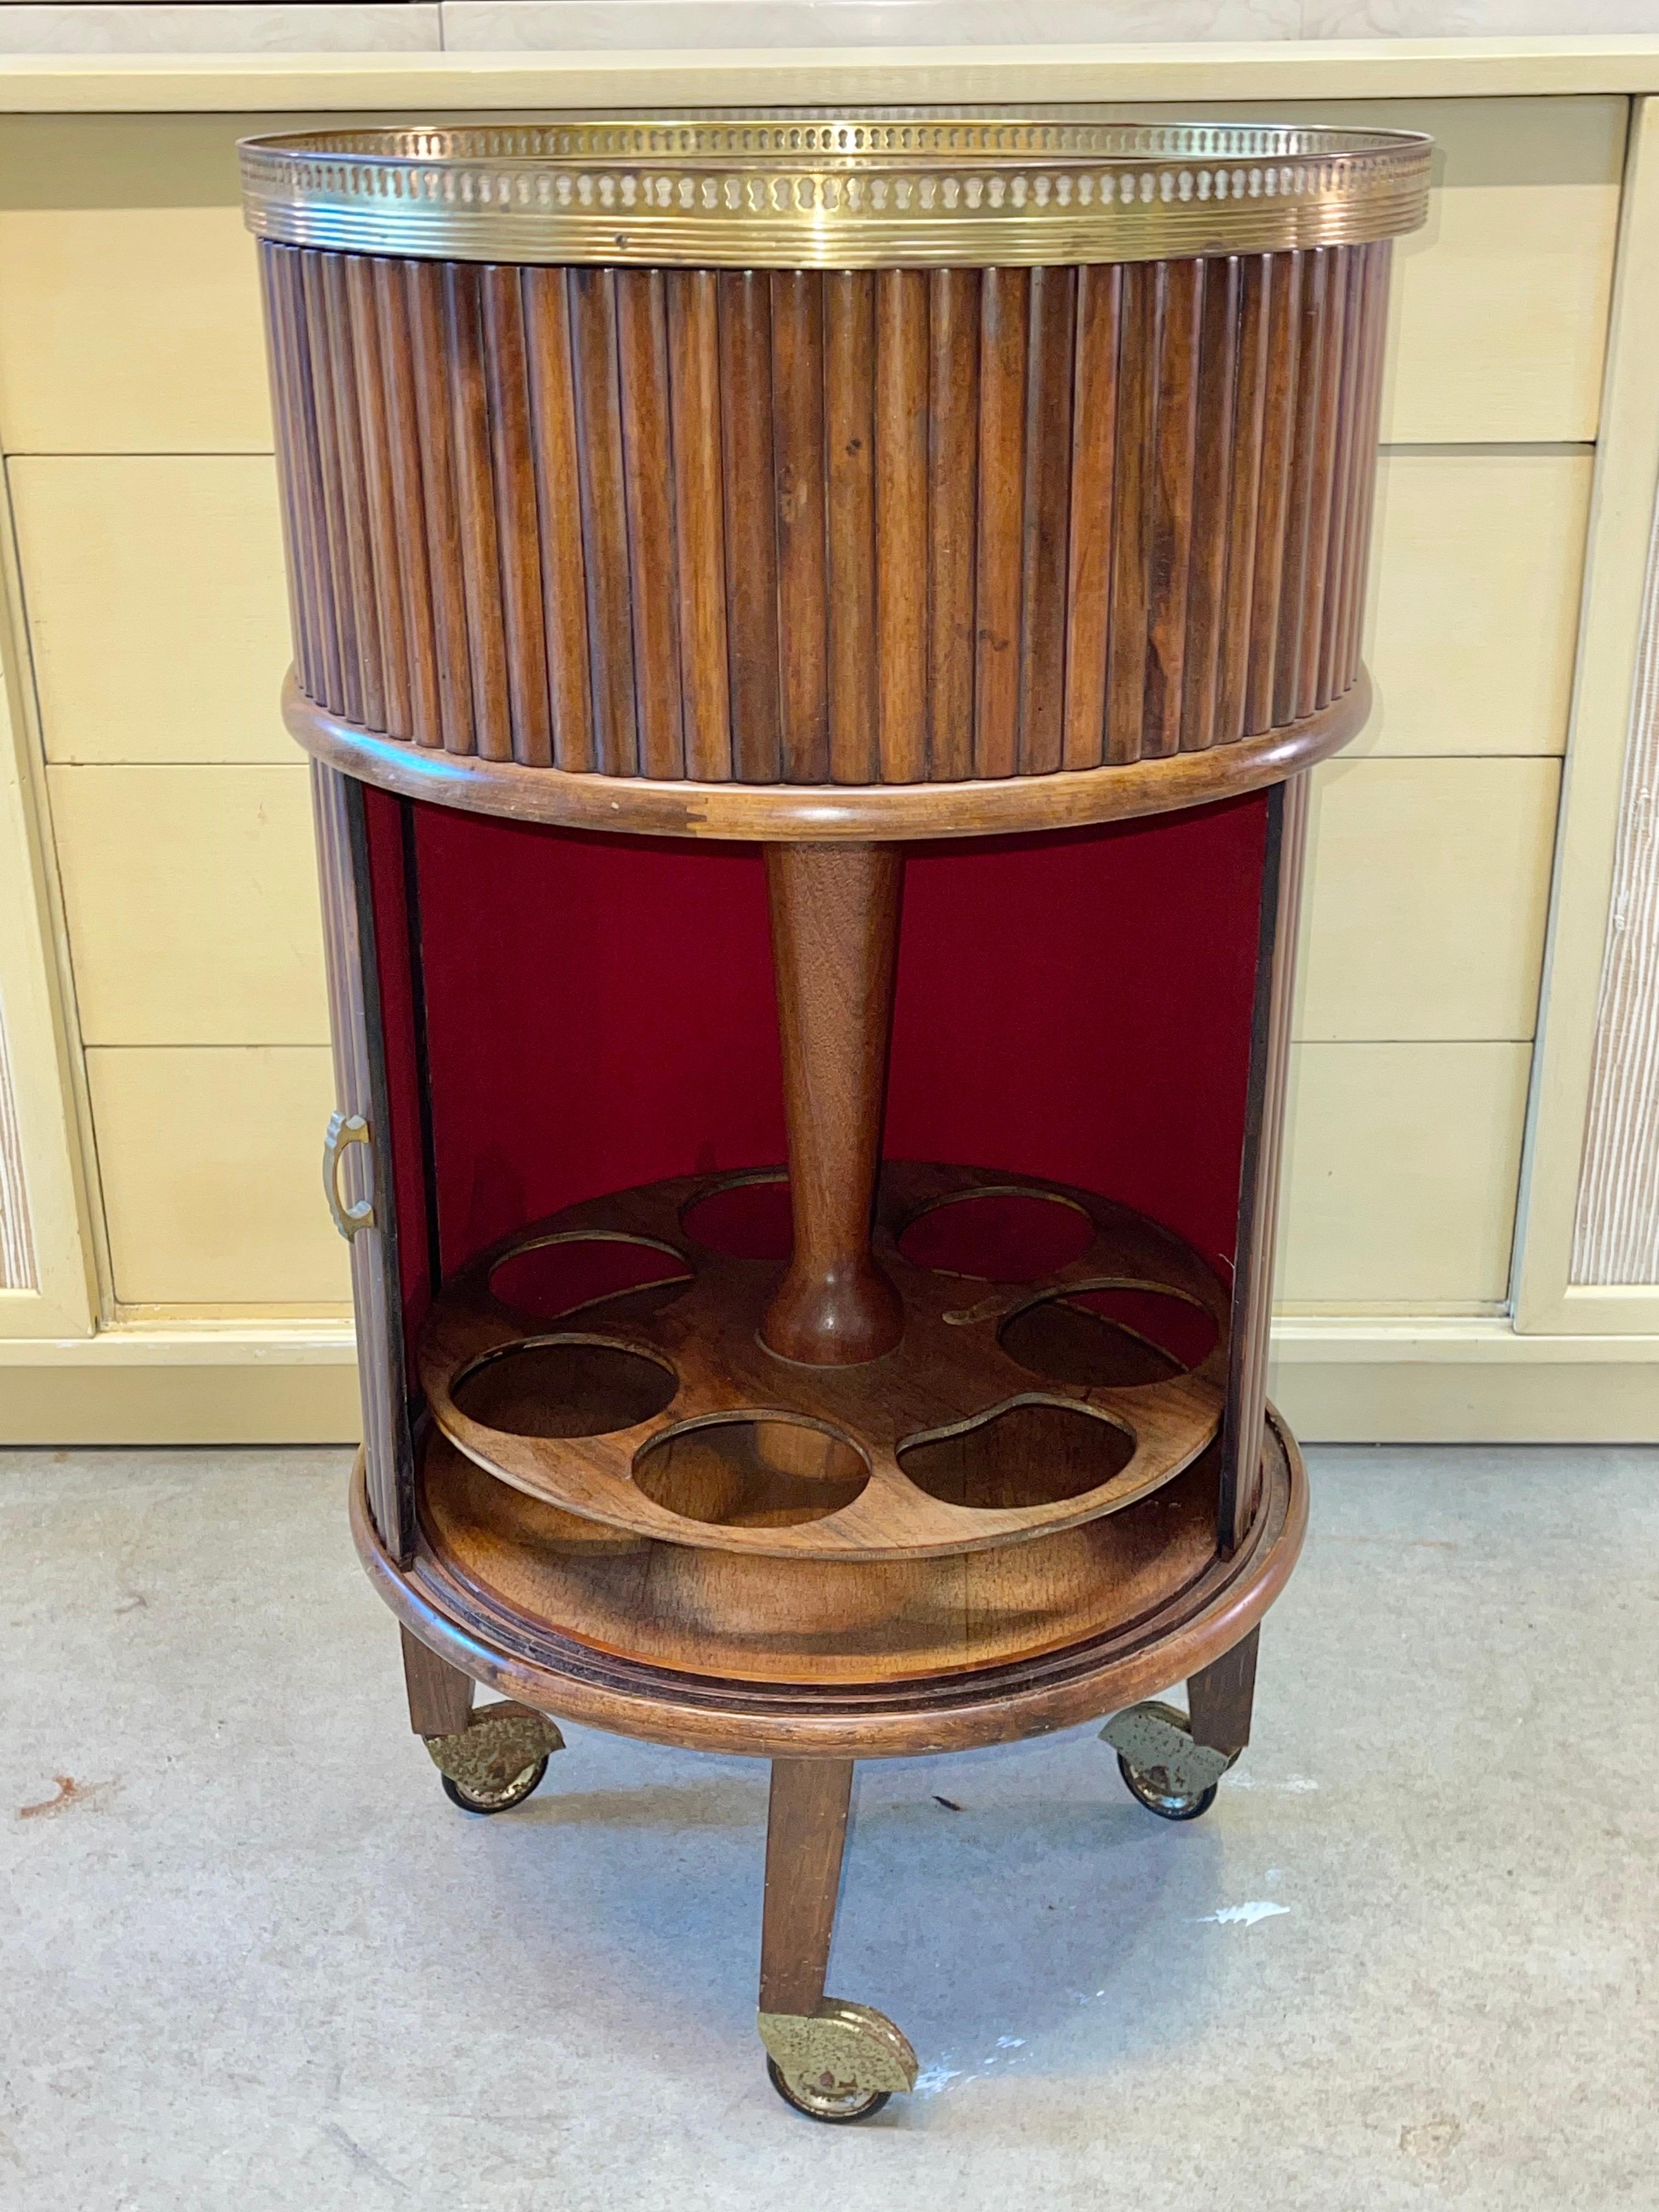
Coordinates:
497 1759
840 2062
1162 1766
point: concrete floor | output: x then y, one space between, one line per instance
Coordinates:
253 1959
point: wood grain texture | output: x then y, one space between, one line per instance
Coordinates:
806 1837
564 558
798 439
1220 1697
824 814
1165 1605
514 463
438 516
835 915
806 527
440 1696
849 420
879 1482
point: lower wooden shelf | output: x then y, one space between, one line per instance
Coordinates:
683 1646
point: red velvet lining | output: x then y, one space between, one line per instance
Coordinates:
600 1012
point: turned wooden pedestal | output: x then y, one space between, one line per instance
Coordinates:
812 633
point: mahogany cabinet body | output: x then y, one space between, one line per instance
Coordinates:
811 774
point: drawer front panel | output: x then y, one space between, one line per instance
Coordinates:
208 1156
1403 1164
190 896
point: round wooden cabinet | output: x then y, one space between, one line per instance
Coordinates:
859 1349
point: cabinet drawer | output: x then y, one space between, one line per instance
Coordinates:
191 896
157 611
129 290
1477 568
1428 888
208 1162
1401 1175
1500 302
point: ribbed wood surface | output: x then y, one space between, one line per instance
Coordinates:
883 526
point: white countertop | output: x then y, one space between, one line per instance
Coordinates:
1324 69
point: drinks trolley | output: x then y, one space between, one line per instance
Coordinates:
727 529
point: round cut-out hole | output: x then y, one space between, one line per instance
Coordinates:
564 1387
1030 1453
1112 1337
762 1472
569 1273
997 1236
745 1221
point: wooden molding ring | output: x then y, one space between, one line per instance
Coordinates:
824 814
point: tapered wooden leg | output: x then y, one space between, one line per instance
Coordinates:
805 1836
835 942
830 2059
440 1695
1219 1700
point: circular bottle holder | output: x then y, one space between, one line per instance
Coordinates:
1015 1405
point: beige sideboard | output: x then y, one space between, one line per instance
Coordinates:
167 1271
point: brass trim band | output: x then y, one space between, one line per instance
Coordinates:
851 192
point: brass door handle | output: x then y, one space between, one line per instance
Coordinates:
345 1129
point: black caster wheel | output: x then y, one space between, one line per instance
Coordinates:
1148 1790
837 2106
496 1801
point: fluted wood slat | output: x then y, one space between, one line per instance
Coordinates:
798 457
752 544
1005 304
1295 580
1250 386
428 357
368 401
1049 379
1143 287
953 311
513 458
804 526
1273 511
1327 439
1174 455
1213 490
653 563
288 461
328 518
564 558
1091 524
849 343
901 387
475 506
402 437
354 491
601 478
1350 458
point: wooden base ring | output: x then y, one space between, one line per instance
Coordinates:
458 1608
